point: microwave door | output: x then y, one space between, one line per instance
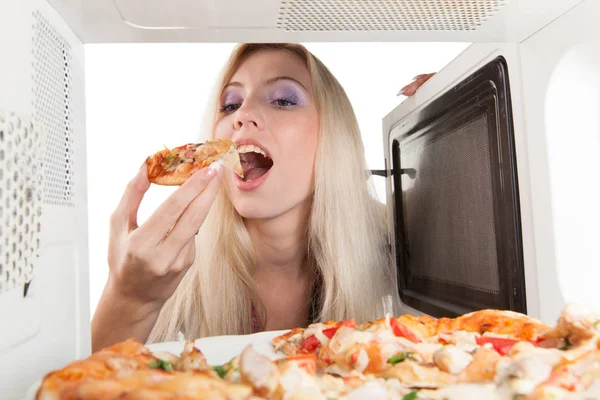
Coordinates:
454 206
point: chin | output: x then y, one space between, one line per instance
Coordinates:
254 211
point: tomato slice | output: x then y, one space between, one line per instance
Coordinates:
351 323
307 362
329 332
402 331
501 345
311 343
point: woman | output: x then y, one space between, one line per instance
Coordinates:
300 240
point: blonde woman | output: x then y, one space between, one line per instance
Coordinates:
300 240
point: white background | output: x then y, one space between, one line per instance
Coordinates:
143 96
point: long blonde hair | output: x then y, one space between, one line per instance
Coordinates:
347 239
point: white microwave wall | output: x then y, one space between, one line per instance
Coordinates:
41 77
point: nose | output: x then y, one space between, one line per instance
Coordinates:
248 116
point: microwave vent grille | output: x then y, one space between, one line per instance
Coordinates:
386 15
52 93
21 177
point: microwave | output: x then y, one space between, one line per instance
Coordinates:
491 169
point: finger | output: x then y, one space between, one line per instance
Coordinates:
409 89
125 215
412 87
163 219
175 263
192 218
186 256
421 76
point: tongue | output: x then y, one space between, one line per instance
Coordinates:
254 173
255 166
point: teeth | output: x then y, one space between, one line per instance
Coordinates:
250 148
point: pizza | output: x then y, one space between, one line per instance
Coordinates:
172 167
487 354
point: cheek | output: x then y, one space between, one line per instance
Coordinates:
300 144
221 131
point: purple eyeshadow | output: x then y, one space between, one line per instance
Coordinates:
290 94
231 98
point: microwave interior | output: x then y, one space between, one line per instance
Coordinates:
490 202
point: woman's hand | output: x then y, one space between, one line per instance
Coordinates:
147 262
412 87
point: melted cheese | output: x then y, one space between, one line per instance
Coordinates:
298 384
347 337
469 391
522 376
451 359
317 330
369 391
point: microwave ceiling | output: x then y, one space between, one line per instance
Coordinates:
127 21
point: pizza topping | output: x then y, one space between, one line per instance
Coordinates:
462 339
320 334
419 376
222 370
161 364
192 359
296 383
398 358
575 325
561 378
451 359
123 366
259 372
483 366
346 338
403 331
307 362
522 376
411 396
526 349
360 360
501 345
311 343
426 350
370 390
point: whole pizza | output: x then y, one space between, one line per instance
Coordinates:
488 354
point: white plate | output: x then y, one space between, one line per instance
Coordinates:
220 349
217 349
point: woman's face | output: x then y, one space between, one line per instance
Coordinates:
267 108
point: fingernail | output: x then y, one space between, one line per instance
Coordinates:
418 76
213 169
401 92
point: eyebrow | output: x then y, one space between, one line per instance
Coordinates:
270 82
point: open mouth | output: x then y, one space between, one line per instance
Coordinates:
255 162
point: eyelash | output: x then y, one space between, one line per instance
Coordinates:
229 108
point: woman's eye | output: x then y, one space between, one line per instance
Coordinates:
227 108
284 103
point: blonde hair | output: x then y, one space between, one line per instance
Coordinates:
347 236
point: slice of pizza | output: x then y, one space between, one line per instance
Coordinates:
129 370
408 347
172 167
